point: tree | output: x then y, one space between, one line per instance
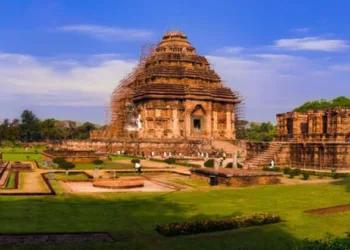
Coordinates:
49 130
83 132
30 127
67 166
340 101
209 163
97 162
170 160
58 160
133 161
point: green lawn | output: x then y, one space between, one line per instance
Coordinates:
20 154
11 181
21 157
106 165
122 157
22 150
72 176
131 217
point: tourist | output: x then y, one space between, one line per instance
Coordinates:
272 164
221 161
138 167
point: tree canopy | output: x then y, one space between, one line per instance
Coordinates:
340 101
31 128
255 131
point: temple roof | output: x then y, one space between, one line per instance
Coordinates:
181 91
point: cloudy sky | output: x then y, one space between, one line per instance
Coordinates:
62 59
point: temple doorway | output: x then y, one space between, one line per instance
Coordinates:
197 124
197 119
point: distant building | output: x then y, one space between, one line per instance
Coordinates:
331 124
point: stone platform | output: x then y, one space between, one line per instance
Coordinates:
236 177
120 183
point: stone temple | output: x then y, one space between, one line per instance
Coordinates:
316 139
173 101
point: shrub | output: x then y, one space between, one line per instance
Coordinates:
229 165
275 169
170 160
209 163
67 166
297 171
195 227
306 175
329 243
334 170
58 160
133 161
291 174
287 170
97 162
320 175
336 176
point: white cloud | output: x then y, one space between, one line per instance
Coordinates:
341 67
312 43
230 50
60 82
108 33
275 83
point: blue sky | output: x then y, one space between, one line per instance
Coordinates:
62 59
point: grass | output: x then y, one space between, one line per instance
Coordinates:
21 157
131 217
106 165
122 157
72 176
186 181
11 181
22 150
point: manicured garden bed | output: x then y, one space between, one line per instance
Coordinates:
196 227
72 176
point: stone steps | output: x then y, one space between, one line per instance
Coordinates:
265 157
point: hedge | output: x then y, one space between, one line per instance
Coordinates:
191 165
195 227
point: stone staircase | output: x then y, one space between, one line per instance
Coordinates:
264 159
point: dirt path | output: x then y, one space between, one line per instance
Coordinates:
329 210
288 181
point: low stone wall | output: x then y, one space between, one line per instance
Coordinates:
237 177
187 147
309 155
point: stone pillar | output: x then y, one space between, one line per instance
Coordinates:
228 125
234 159
215 122
188 124
175 125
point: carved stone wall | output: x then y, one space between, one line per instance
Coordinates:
332 124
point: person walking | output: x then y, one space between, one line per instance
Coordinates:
138 167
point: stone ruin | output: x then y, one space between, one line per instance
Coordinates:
173 101
317 139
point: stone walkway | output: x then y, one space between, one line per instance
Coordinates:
87 187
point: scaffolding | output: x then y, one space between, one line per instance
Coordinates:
240 121
116 116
